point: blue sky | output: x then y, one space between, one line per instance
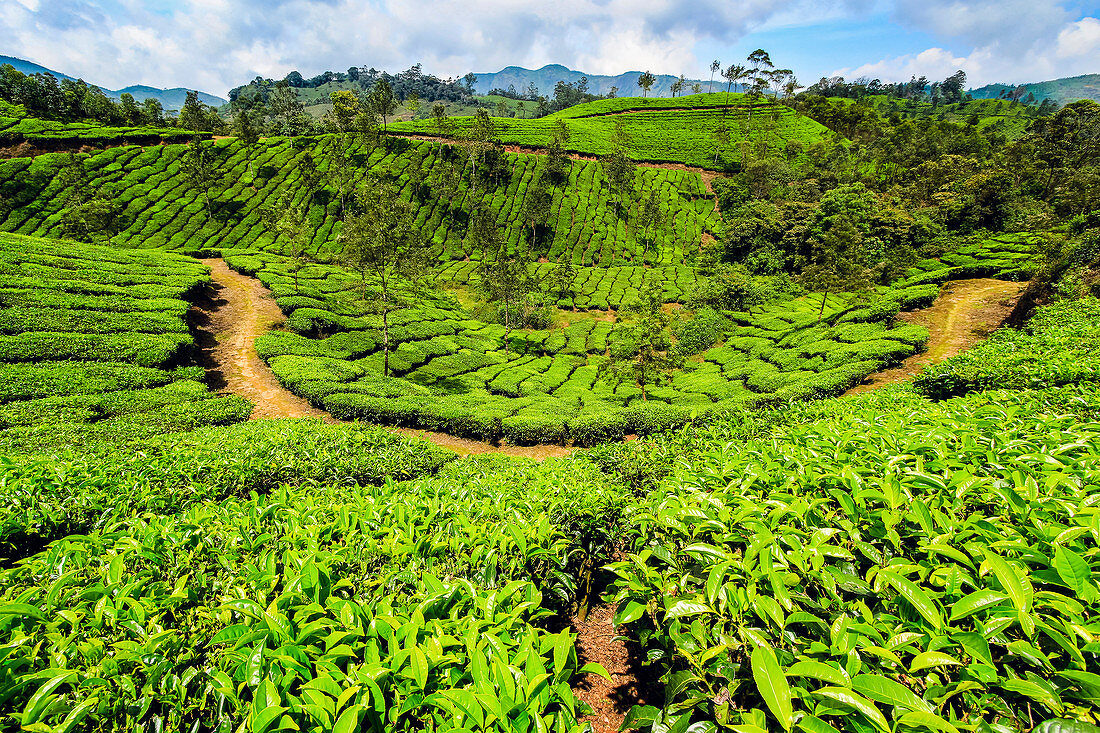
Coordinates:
217 44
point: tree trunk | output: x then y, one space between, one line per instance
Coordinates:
385 341
822 310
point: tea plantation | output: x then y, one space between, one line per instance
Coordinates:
681 130
156 208
779 557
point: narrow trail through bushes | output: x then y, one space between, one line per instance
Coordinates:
965 312
234 311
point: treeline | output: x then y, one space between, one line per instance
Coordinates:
847 216
43 96
412 83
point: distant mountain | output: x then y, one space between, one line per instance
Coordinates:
546 77
170 99
1062 91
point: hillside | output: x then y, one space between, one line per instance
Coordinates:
682 130
453 426
170 99
1008 118
544 79
1062 91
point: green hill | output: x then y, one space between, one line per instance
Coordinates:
1010 119
1061 91
682 130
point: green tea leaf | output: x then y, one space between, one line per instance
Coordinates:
772 685
1072 568
889 692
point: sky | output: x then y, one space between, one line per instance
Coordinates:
214 45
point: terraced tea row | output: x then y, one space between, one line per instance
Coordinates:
696 131
156 207
455 375
95 343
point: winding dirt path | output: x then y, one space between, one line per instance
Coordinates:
965 312
237 309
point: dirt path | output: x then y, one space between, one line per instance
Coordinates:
597 641
965 312
238 310
235 310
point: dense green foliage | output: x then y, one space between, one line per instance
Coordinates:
94 344
17 127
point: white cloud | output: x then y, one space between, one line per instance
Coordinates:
1080 40
216 44
1010 41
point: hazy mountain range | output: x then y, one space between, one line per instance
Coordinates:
549 75
170 99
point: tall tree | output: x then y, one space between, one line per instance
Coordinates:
557 159
714 67
382 100
197 164
641 351
618 167
839 263
537 208
286 107
244 124
192 114
380 242
646 81
289 225
733 74
505 275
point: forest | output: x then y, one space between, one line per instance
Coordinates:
756 409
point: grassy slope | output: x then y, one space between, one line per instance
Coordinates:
679 130
161 211
94 343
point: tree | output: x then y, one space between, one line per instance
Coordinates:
641 351
286 107
470 79
380 242
412 103
646 81
728 287
618 167
382 100
288 224
309 175
759 63
192 114
129 109
733 74
714 67
341 173
505 276
346 108
537 208
197 164
839 262
677 86
557 160
86 211
649 217
952 86
247 133
152 113
561 280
